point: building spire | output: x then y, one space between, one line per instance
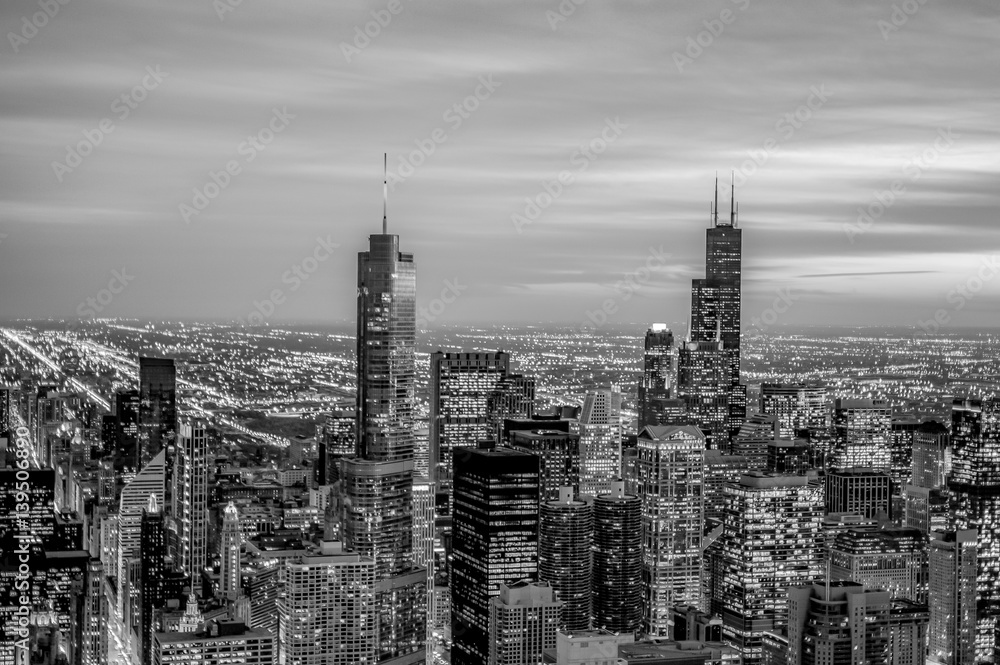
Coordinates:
732 200
385 192
715 210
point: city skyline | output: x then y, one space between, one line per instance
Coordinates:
672 116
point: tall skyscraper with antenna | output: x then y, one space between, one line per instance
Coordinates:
715 314
378 481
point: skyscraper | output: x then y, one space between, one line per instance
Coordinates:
460 387
496 539
838 623
229 553
328 613
157 427
797 406
190 497
861 434
617 560
513 397
524 620
952 598
975 489
751 442
659 376
152 566
671 467
894 560
772 541
931 455
134 500
565 537
387 283
337 440
600 441
860 492
703 384
558 457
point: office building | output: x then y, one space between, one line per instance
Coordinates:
893 560
720 469
134 500
221 642
589 647
861 434
931 455
328 613
152 564
703 384
952 563
190 497
838 623
337 440
157 426
460 387
565 538
772 541
901 432
558 457
752 440
865 492
229 554
524 618
671 468
926 509
797 406
512 398
600 441
789 457
617 561
974 484
495 539
659 377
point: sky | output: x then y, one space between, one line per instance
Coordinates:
548 161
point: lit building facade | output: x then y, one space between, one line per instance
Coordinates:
952 564
659 376
862 430
565 538
797 406
524 619
600 441
617 561
190 497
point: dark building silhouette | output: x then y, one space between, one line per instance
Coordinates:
157 423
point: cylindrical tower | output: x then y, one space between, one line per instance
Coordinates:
566 534
617 560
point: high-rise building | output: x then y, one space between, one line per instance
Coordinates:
565 538
931 455
220 643
386 341
702 383
798 406
952 563
424 522
600 441
751 442
671 469
865 492
328 613
901 432
496 496
524 618
190 497
908 624
128 406
378 523
975 489
229 553
152 558
157 426
659 376
772 541
720 469
838 623
862 434
792 457
513 398
558 457
337 441
926 509
894 560
617 561
460 387
134 500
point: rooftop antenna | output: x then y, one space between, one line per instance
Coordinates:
732 200
715 210
385 191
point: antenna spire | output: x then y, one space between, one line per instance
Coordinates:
385 192
732 199
715 210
